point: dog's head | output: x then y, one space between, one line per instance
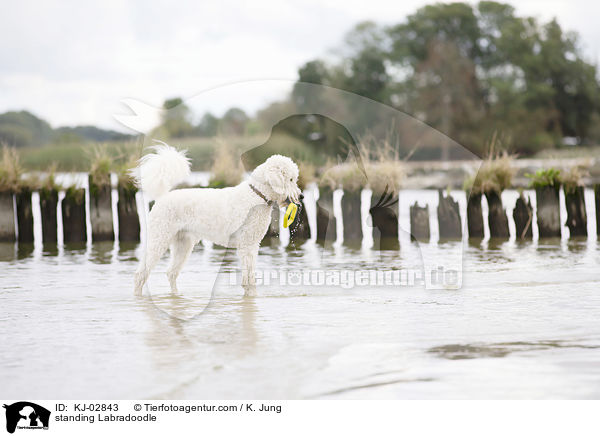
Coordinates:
278 178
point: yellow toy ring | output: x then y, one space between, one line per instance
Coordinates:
290 215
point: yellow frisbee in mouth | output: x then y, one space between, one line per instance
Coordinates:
290 215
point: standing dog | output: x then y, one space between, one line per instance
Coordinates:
236 217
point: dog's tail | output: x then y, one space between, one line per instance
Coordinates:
157 173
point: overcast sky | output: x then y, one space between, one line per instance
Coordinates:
72 62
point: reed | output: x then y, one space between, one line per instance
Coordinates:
227 169
10 170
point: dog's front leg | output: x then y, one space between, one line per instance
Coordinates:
248 261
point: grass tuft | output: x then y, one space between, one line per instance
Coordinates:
100 165
10 170
494 175
227 169
545 177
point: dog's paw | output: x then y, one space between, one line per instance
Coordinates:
250 291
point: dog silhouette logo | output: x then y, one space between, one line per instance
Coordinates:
26 415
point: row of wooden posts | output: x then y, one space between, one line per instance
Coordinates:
73 214
385 218
383 213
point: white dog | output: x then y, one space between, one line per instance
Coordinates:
236 217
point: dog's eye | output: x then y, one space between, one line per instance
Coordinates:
291 179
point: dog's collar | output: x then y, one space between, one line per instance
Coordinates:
261 195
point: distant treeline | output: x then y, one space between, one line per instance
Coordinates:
472 72
23 129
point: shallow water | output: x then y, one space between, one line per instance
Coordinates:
524 324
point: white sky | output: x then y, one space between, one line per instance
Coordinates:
71 62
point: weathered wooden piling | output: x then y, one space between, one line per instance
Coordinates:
101 208
384 216
48 208
548 211
326 222
497 219
7 217
351 216
299 229
24 215
474 216
73 215
597 195
419 222
523 216
576 213
448 217
129 221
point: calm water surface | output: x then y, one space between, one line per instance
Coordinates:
524 324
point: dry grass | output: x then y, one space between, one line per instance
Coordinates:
101 164
384 175
495 174
10 170
347 176
42 181
126 160
307 174
384 168
350 177
227 169
573 178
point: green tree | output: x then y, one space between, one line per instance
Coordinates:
234 122
208 125
21 129
311 72
176 117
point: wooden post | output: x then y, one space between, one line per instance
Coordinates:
597 195
419 223
497 218
523 216
24 215
548 211
48 208
384 216
73 216
576 213
7 217
475 216
101 210
326 222
351 217
129 221
448 217
299 229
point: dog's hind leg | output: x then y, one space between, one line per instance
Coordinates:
154 251
181 248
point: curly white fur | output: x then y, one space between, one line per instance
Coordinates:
157 173
234 217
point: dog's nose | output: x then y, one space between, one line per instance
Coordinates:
301 196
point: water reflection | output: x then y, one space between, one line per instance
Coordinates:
75 248
8 251
102 252
24 250
522 307
50 250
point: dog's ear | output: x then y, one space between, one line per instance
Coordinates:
275 180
